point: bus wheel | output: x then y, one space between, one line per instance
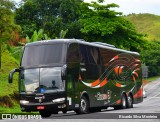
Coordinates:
45 114
129 101
84 106
123 102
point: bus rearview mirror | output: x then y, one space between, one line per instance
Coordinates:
63 72
10 77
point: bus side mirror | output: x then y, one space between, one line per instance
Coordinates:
63 72
10 77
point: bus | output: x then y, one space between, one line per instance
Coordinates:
72 74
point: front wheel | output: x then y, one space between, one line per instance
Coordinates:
84 106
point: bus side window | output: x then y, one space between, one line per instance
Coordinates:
73 53
94 55
84 54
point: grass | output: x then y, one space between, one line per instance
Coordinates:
9 102
8 97
14 109
8 63
147 24
152 78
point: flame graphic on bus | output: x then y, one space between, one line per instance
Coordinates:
122 67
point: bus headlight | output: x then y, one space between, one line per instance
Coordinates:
24 102
59 100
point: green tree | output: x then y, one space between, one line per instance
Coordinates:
100 23
7 25
51 15
151 57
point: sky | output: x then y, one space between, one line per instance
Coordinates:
133 6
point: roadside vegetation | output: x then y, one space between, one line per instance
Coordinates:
150 79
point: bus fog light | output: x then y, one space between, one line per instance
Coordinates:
24 102
59 100
64 105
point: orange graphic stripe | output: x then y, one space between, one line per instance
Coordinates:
104 82
95 83
139 93
137 69
120 70
134 79
118 85
136 74
116 57
118 102
116 70
80 78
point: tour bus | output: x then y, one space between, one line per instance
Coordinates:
72 74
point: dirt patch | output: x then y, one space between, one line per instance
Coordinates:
8 100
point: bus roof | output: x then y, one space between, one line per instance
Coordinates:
80 41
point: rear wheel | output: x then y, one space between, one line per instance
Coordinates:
84 106
123 102
45 114
129 101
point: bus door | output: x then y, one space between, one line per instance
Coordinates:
73 65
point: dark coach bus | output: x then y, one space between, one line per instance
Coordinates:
71 74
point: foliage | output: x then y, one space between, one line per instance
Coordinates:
8 63
147 24
7 26
105 25
17 51
52 16
151 57
62 34
37 36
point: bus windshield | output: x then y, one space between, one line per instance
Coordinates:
41 80
43 55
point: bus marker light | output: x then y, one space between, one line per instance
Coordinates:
40 107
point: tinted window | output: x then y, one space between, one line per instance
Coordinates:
84 55
73 53
44 55
90 54
107 55
93 55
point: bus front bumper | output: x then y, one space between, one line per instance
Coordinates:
49 106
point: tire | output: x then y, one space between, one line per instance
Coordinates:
129 101
45 114
84 106
123 102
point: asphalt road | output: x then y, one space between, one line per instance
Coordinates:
149 108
